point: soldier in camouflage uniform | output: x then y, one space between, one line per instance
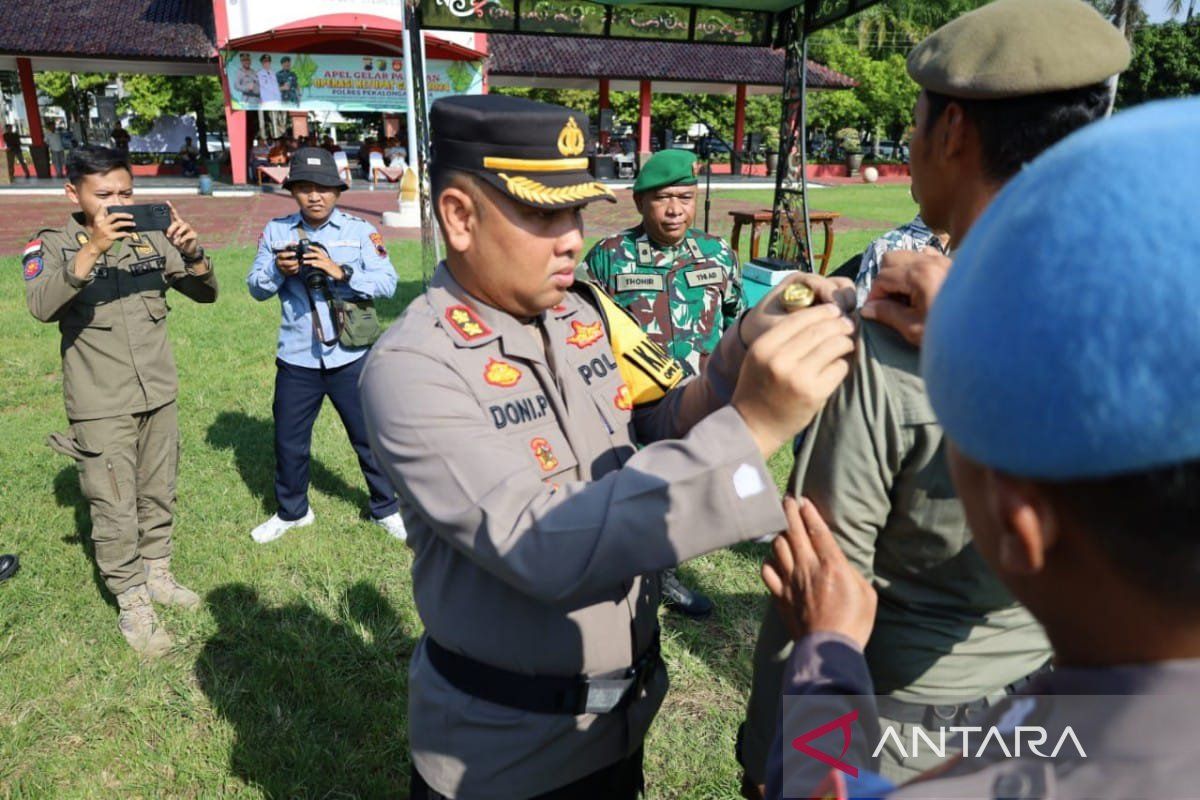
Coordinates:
682 285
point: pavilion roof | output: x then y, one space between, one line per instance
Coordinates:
180 30
579 57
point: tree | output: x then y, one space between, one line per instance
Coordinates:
883 101
149 97
73 96
1166 63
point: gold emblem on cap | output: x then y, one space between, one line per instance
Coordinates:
570 139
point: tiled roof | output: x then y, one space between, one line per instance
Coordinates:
578 57
177 30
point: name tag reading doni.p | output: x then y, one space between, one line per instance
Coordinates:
712 276
640 282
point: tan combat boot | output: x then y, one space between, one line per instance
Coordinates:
139 625
163 587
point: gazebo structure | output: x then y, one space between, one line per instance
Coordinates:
165 38
648 66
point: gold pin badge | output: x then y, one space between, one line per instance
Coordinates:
570 139
796 297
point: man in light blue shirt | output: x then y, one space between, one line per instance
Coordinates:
345 260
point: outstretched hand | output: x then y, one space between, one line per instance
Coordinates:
813 584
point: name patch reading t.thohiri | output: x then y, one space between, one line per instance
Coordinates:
713 276
640 282
519 411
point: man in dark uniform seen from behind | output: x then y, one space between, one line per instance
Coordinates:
1074 442
681 284
949 635
105 286
508 406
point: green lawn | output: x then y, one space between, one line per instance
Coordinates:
290 681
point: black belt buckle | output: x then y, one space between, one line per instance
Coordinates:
605 695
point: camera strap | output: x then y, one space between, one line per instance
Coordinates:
320 303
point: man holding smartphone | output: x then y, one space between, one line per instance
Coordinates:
323 264
104 283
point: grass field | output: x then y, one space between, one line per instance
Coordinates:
290 680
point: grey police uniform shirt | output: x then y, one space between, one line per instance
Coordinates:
1135 725
538 524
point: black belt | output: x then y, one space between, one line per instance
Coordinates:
545 694
935 715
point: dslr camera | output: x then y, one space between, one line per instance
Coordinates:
313 278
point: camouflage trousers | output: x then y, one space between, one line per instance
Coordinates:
127 469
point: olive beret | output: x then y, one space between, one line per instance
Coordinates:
1012 48
666 168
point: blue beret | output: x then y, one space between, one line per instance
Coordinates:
1065 343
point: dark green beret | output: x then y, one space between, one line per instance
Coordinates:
1012 48
666 168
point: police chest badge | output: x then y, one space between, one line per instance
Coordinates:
544 454
466 323
585 335
501 373
624 400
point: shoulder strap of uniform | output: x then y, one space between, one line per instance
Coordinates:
647 369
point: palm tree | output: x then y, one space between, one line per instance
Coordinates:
1127 15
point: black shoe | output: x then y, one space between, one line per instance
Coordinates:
8 567
678 597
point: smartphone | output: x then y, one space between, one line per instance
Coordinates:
146 217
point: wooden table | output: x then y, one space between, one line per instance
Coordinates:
756 219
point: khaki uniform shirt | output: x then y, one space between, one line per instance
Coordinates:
116 356
874 463
537 523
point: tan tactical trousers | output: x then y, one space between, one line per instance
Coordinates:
127 469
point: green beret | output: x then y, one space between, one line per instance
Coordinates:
1013 48
666 168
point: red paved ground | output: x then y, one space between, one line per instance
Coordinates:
225 221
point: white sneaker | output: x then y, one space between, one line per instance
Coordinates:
275 527
394 524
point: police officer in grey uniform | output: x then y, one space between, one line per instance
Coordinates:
949 637
1067 393
507 405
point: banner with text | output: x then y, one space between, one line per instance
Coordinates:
318 82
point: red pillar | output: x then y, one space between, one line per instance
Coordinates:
739 126
391 126
644 124
29 92
604 105
239 143
39 153
299 123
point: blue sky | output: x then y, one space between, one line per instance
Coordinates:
1157 9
